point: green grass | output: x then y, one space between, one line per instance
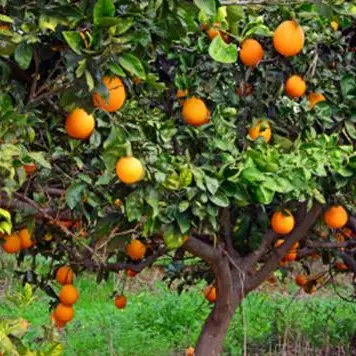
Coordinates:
160 322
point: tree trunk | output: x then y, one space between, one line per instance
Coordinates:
211 339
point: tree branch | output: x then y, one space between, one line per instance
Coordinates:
201 249
277 254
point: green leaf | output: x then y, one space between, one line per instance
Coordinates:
172 239
103 8
264 195
222 52
252 175
89 80
116 69
348 87
212 184
39 158
220 199
23 55
183 206
350 128
207 6
152 199
124 24
259 30
183 221
74 194
48 23
7 19
133 65
74 41
5 214
134 206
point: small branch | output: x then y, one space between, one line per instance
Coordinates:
331 245
35 76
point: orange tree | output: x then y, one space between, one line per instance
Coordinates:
136 129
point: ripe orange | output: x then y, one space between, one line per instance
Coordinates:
291 255
278 243
120 301
214 31
64 275
63 313
301 280
57 323
79 124
295 86
341 266
25 239
12 244
116 96
68 295
262 129
190 351
195 112
282 222
251 52
315 98
129 170
334 25
30 168
136 250
288 38
210 294
131 273
336 217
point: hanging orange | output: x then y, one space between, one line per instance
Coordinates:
210 294
295 86
136 250
79 124
288 38
120 301
64 275
282 222
336 217
315 98
129 170
301 280
195 112
262 129
63 313
116 95
12 244
25 239
68 295
251 52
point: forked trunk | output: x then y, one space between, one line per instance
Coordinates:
211 339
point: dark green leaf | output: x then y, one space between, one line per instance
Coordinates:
207 6
103 8
74 194
133 65
23 55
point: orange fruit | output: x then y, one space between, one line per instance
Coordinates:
12 244
291 256
136 250
301 280
282 222
315 98
116 96
129 170
278 243
341 266
195 112
288 38
118 202
30 168
25 239
334 25
295 246
295 86
131 273
120 301
262 129
336 217
63 313
57 323
79 124
68 295
182 94
251 52
214 31
64 275
5 27
190 351
210 294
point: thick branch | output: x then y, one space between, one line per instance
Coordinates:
298 233
201 249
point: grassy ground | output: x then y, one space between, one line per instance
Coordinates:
159 322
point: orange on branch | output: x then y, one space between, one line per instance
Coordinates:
64 275
251 52
340 266
288 38
120 301
68 295
315 98
190 351
291 255
116 95
195 112
64 313
301 280
130 170
131 273
12 244
262 129
79 124
30 168
210 293
282 222
336 217
295 86
25 239
214 31
136 250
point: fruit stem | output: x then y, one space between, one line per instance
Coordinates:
128 149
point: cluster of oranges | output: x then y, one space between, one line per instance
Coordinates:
17 241
68 296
